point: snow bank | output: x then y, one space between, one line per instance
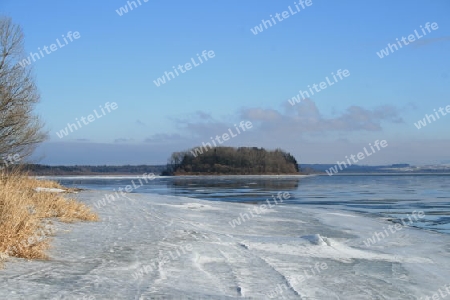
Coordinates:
49 190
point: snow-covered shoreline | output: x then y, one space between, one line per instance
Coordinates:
148 246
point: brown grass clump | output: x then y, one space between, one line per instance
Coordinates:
25 214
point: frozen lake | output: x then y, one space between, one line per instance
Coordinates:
391 196
164 245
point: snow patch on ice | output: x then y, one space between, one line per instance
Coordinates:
193 205
49 190
317 239
341 214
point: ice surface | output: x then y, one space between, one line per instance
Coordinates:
149 246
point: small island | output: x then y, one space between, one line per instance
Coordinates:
232 161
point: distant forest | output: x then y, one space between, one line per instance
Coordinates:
43 170
232 161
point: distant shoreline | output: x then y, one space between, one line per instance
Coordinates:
131 176
305 169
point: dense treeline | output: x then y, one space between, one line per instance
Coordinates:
232 161
35 169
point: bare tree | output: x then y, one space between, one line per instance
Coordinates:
20 129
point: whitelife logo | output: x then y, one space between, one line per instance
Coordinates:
411 38
262 209
440 294
431 118
225 137
360 155
86 121
49 50
112 197
323 85
9 161
124 9
378 236
281 17
187 67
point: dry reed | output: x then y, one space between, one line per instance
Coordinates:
26 215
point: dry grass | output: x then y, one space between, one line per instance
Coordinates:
25 215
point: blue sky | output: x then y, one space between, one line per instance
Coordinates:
251 78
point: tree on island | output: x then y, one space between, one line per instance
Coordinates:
232 161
